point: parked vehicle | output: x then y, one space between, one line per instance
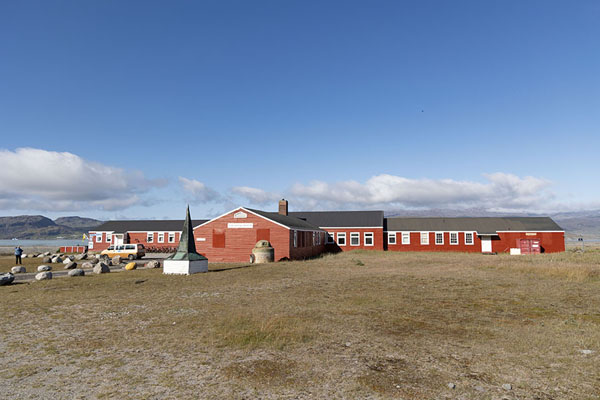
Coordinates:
130 251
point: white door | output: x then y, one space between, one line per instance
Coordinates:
486 244
118 240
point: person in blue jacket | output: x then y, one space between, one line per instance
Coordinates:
18 253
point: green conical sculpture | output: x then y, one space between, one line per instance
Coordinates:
187 248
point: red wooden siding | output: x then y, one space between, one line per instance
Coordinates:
550 242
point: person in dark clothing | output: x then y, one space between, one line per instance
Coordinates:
18 253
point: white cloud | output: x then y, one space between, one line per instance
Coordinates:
256 196
199 191
500 191
35 179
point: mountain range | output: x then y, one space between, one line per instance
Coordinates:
40 227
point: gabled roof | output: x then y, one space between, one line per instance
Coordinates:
481 225
286 220
341 219
169 225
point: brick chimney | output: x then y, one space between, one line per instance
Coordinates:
283 207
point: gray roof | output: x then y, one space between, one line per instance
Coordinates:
287 220
168 225
342 219
480 225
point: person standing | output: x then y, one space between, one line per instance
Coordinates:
18 253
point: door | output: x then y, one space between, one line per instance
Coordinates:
486 244
118 239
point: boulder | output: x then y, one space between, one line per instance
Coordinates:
57 259
130 266
76 272
24 255
153 264
81 256
43 276
42 268
98 256
46 254
71 265
94 261
67 260
116 260
6 279
46 260
71 257
87 265
18 269
101 268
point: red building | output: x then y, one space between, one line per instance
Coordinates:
297 235
477 235
155 235
232 236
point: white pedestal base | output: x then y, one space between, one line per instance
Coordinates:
184 267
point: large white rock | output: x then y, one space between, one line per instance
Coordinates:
184 267
42 268
43 276
18 269
101 268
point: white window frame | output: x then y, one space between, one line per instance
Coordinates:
424 235
472 238
405 235
367 234
436 236
109 238
295 238
354 234
171 235
450 238
391 235
330 238
99 237
160 237
150 237
341 235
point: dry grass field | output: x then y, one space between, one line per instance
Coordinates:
359 325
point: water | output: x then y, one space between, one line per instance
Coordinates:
42 243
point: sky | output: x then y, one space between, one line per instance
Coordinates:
133 109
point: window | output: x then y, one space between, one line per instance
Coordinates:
108 237
330 238
341 238
129 247
405 237
171 237
439 238
368 238
425 238
161 237
469 238
314 240
454 238
391 237
98 237
295 238
354 239
150 237
111 248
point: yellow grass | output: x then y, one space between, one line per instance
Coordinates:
355 325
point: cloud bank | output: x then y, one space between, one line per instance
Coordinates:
198 191
35 179
499 192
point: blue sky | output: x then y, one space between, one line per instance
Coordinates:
132 109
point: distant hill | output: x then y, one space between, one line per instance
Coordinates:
576 223
40 227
